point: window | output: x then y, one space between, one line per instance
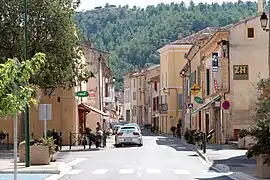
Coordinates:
106 90
133 82
199 75
134 95
154 104
165 99
180 101
140 81
195 77
166 79
155 85
162 85
250 33
207 82
140 96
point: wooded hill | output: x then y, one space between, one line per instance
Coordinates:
132 35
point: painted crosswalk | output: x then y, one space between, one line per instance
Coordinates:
148 171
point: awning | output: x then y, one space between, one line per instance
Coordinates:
206 104
90 108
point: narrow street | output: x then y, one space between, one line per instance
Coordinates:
160 158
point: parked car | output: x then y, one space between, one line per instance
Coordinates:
116 128
128 135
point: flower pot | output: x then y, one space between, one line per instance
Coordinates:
263 170
39 155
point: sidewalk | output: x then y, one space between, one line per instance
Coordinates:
226 158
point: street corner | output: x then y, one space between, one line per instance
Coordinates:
63 170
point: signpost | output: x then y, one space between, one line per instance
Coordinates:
190 105
226 105
82 93
198 100
195 89
45 113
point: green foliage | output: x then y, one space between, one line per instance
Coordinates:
49 141
260 131
15 91
50 29
133 35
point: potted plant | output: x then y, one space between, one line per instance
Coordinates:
3 136
41 151
260 149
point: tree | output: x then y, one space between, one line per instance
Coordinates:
260 132
51 30
15 91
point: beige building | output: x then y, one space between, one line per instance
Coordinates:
127 98
241 51
69 112
152 91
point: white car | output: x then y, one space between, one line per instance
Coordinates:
134 124
128 135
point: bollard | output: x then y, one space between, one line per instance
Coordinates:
7 141
84 141
60 140
70 140
204 143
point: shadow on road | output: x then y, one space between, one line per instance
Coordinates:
173 143
215 178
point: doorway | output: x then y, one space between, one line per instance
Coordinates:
207 125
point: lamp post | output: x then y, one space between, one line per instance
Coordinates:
264 21
27 138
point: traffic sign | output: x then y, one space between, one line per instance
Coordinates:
198 100
226 105
195 89
190 105
82 94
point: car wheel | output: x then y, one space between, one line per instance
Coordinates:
140 145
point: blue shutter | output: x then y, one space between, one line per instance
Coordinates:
180 101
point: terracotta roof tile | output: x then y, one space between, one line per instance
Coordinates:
206 32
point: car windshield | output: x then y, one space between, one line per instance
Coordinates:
128 129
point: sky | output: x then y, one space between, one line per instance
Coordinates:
90 4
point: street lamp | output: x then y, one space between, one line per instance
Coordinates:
264 21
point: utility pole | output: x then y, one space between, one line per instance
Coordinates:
27 138
189 93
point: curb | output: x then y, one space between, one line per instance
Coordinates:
63 168
222 168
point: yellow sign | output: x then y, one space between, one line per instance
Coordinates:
195 89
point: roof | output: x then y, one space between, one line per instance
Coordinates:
153 67
206 32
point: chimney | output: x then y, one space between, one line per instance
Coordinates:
260 6
180 36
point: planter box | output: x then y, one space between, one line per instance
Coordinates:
263 170
39 155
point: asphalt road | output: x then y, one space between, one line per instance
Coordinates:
160 158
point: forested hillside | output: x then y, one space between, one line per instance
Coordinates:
132 35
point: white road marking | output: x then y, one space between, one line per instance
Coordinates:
180 171
139 174
100 171
75 171
76 161
153 171
126 171
214 173
139 168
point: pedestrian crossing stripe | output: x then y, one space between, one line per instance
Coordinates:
148 171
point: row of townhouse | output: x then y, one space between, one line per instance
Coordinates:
197 74
71 113
141 96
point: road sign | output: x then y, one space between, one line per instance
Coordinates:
226 105
214 62
190 105
216 85
45 113
82 93
195 89
198 100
